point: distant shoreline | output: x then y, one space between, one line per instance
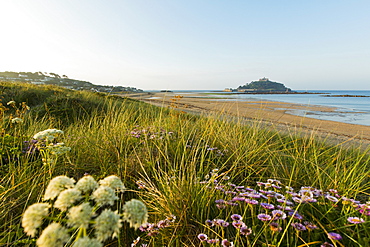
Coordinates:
272 113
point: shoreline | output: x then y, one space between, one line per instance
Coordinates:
273 114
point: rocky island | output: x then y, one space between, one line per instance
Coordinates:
263 85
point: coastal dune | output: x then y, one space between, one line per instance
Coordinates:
270 113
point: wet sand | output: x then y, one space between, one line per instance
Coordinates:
271 113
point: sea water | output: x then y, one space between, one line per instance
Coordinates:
354 110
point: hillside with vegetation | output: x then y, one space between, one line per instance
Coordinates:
264 85
44 78
83 168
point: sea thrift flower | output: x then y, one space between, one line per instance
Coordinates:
267 205
331 198
355 220
220 222
53 235
264 217
251 201
275 227
295 215
67 198
33 217
202 237
244 230
86 184
80 216
238 224
278 214
299 226
107 225
114 182
135 213
213 241
309 225
334 236
226 243
86 241
57 185
236 217
104 196
209 223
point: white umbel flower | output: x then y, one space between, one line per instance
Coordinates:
33 217
80 216
107 225
57 185
104 195
86 241
48 135
135 213
114 182
54 235
86 184
58 148
67 198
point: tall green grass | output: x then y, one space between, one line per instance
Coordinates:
170 152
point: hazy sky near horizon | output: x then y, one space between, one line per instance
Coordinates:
192 44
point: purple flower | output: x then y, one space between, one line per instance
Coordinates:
275 227
236 217
355 220
213 241
264 217
334 236
202 237
210 223
220 222
278 214
238 224
299 226
226 243
331 198
309 225
251 201
295 215
238 198
163 224
267 205
244 230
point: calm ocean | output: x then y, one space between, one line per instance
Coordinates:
354 110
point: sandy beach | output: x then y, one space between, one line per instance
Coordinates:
270 113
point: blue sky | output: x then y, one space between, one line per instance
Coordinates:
192 44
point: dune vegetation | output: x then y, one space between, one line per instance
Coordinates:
204 180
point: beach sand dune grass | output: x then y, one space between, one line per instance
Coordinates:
171 152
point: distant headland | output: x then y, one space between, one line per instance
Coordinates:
63 81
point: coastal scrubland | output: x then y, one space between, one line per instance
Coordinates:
204 181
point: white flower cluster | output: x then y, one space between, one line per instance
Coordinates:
48 135
135 213
81 204
58 148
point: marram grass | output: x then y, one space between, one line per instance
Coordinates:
195 174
